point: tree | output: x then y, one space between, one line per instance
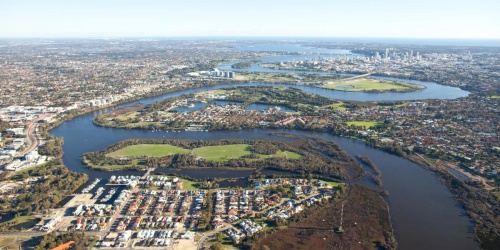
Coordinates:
220 237
217 246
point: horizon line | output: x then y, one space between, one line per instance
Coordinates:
238 36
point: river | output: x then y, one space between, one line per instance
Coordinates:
424 213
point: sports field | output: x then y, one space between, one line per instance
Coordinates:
153 150
371 85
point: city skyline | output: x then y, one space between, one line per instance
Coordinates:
357 19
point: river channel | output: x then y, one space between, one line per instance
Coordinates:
424 213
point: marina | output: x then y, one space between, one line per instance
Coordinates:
91 186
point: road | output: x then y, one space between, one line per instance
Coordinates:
469 175
33 139
205 237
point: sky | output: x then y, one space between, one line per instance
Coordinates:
478 19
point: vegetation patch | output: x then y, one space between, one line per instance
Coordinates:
338 106
288 154
50 183
242 65
372 85
366 124
153 150
332 184
223 153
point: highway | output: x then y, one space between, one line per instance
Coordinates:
32 137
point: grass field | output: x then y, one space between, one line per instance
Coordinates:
367 124
189 185
338 106
332 183
153 150
226 152
364 84
495 97
222 153
288 154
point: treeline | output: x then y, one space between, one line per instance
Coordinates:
53 147
206 212
377 177
54 182
52 240
265 148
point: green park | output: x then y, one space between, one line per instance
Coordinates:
371 85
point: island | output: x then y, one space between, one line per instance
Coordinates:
300 157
